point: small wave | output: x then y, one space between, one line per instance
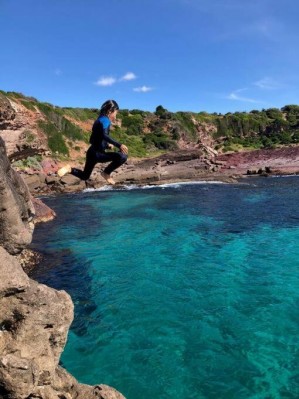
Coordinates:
284 176
113 188
150 186
190 183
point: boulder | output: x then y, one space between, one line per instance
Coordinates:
52 179
49 166
42 212
35 181
70 180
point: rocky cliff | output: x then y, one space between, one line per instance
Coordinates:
34 319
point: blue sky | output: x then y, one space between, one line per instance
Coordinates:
186 55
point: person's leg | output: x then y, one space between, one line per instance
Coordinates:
90 163
117 158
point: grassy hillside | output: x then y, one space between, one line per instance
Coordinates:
148 133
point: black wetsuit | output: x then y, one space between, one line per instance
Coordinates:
96 153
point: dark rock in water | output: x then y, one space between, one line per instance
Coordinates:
34 318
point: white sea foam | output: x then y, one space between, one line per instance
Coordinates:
150 186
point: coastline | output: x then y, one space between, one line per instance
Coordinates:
173 168
181 167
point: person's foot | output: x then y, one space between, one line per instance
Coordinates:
108 178
64 170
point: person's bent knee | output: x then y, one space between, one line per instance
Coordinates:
123 157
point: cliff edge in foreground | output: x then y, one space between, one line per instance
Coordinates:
34 319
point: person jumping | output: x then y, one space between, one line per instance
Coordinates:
101 141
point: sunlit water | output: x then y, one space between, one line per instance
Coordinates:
187 291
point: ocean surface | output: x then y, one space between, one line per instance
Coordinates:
183 291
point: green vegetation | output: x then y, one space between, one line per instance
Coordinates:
30 162
56 141
56 116
29 137
81 114
186 124
258 129
13 94
136 145
149 133
204 117
134 124
159 140
29 105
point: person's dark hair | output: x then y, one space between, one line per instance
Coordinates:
108 106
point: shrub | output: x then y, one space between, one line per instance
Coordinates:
68 129
184 119
133 123
30 162
136 145
81 114
55 139
29 136
28 104
160 140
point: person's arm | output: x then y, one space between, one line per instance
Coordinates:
106 137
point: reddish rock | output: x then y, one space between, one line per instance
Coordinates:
49 166
42 212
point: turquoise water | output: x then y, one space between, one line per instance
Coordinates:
188 291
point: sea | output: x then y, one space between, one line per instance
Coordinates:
180 291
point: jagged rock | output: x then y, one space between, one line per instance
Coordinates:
251 172
70 180
28 259
34 322
52 179
12 279
16 209
35 182
7 113
42 212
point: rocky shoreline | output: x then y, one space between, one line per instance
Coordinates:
178 166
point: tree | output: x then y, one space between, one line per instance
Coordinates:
160 111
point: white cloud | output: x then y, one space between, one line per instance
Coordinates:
105 81
129 76
267 84
58 72
235 96
143 89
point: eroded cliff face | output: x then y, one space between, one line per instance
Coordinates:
16 209
34 318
